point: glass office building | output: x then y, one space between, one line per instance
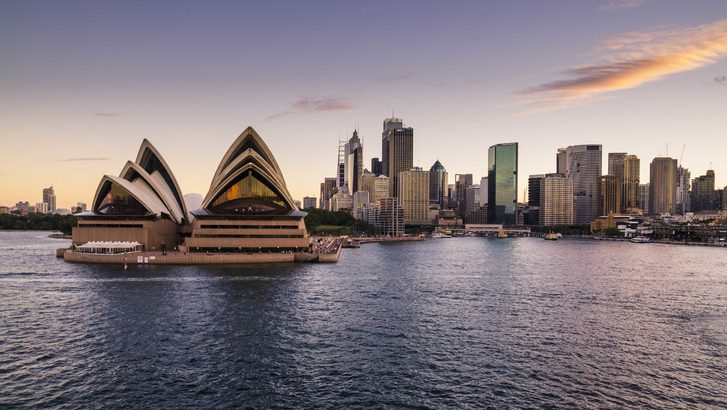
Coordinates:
502 181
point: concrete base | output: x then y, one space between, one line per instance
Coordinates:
180 258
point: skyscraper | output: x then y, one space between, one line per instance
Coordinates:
644 198
309 202
662 186
703 192
376 186
609 195
556 200
397 150
684 184
438 180
616 164
472 199
328 189
461 182
631 179
561 161
413 192
49 197
583 165
502 179
376 166
483 190
353 163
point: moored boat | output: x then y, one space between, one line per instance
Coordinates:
640 239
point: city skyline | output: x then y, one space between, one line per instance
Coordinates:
82 90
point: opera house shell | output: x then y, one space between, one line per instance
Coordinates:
248 208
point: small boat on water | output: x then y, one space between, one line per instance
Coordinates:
502 235
440 235
552 236
640 239
351 244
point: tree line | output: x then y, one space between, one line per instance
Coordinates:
38 222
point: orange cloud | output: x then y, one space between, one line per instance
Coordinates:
632 59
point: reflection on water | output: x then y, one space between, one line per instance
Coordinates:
458 322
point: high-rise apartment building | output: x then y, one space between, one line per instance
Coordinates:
684 184
359 200
631 179
353 163
49 197
438 181
502 166
583 166
413 192
662 186
397 150
703 192
609 195
390 217
556 200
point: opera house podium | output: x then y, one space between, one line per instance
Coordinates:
247 216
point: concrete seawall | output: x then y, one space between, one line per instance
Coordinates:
179 258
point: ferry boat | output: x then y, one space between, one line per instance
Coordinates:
502 235
552 236
439 235
640 239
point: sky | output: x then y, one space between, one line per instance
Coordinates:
83 82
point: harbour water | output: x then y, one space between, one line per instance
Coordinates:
464 322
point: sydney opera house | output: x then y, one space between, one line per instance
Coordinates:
247 211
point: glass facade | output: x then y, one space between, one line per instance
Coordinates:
502 180
116 200
249 195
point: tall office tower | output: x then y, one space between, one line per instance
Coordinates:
663 186
438 180
483 190
359 200
502 164
534 184
49 197
684 184
556 200
724 199
583 165
616 164
328 188
397 150
644 198
376 166
472 199
609 195
353 163
452 196
413 191
461 182
718 203
309 202
631 179
376 186
703 192
561 161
